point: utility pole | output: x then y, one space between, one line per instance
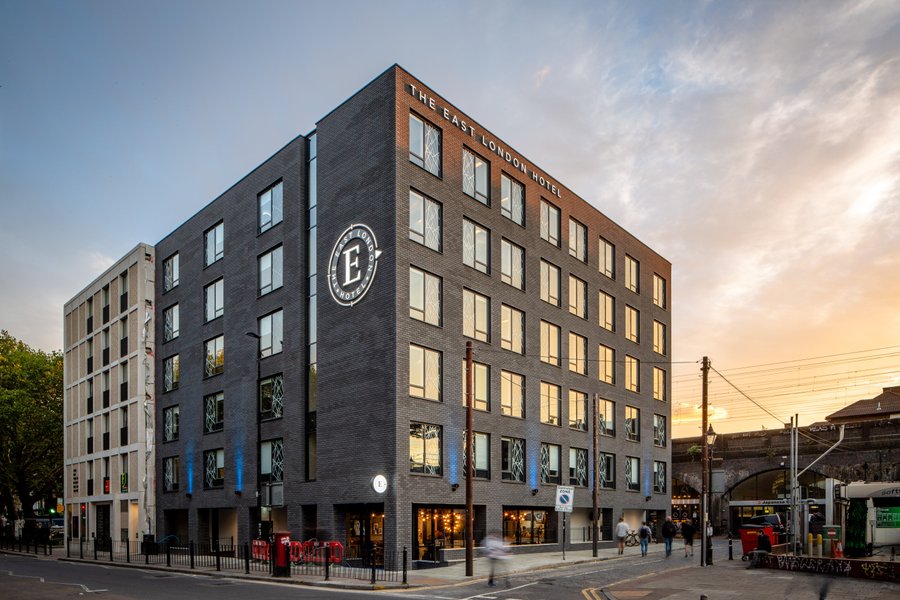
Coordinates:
470 505
595 496
704 507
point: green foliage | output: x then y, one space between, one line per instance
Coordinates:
31 424
695 451
856 529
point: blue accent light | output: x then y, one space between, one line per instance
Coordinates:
239 468
189 451
646 478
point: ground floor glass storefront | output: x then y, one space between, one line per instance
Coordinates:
529 526
442 527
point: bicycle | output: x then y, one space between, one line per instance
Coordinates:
632 538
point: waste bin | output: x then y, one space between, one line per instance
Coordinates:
148 545
282 548
750 537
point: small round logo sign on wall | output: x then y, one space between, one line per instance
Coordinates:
352 265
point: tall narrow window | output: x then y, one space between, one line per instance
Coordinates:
214 299
659 291
608 418
578 410
424 221
512 330
577 297
215 356
424 373
512 394
549 343
578 467
481 386
271 271
271 334
170 474
632 274
476 177
632 473
171 373
512 200
271 456
271 397
660 434
632 324
549 463
481 448
607 311
577 240
214 240
425 145
659 477
171 324
214 412
549 283
549 223
170 272
632 374
606 361
425 296
632 424
476 246
476 316
607 259
659 384
607 471
425 448
550 403
512 264
214 468
577 353
512 452
270 207
170 423
659 338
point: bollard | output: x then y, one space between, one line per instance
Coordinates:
404 564
127 551
372 562
218 557
168 555
809 544
819 545
246 558
327 560
191 550
730 548
110 550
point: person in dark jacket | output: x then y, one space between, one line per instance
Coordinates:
669 529
688 531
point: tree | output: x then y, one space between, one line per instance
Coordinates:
31 425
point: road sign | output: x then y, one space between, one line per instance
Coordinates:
565 498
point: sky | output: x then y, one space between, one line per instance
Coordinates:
755 145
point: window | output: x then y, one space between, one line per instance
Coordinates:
659 431
659 384
606 362
608 418
213 412
512 394
512 459
632 274
549 283
476 177
214 240
577 240
476 316
271 397
550 403
170 272
577 353
659 291
170 323
425 296
607 310
424 221
549 463
214 468
170 474
481 386
425 145
549 223
424 373
632 424
632 374
215 356
271 334
270 207
549 343
659 338
578 410
481 448
607 470
476 246
659 477
512 200
171 373
512 264
271 461
578 467
632 324
214 299
512 327
607 259
170 423
577 297
632 473
271 272
425 443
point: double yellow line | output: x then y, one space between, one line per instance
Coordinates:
592 594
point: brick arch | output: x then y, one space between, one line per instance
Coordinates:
806 478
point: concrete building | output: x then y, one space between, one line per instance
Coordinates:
312 324
108 403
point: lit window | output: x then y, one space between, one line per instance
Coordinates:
659 384
512 265
271 334
607 364
271 272
607 259
578 410
632 324
481 386
475 176
659 338
551 403
512 200
577 353
577 240
424 373
577 297
425 145
549 223
270 207
512 329
476 246
608 418
607 311
632 424
549 283
632 274
549 343
214 240
424 221
659 291
659 431
424 296
481 449
512 394
476 316
632 374
425 443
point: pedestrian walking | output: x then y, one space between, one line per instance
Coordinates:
669 529
687 532
497 554
644 534
621 532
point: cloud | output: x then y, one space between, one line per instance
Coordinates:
540 75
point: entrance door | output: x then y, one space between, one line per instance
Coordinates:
103 528
365 532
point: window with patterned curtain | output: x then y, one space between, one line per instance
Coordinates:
659 477
550 463
512 459
425 145
659 431
578 467
632 473
425 442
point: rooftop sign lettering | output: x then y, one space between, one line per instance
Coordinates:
492 145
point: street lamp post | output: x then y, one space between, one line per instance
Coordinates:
710 441
259 502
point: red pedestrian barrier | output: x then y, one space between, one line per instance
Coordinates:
260 550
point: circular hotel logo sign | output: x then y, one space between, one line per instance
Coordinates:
352 265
